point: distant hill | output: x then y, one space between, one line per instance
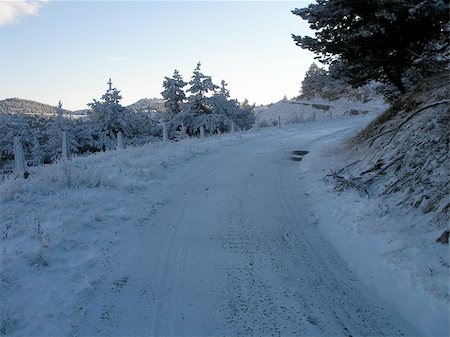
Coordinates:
27 107
155 105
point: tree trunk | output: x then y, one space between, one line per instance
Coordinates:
400 86
395 77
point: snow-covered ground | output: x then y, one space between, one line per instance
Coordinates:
297 111
222 236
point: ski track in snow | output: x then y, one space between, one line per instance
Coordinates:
232 250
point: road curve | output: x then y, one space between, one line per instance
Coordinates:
232 250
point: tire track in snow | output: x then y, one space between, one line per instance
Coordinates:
287 279
336 294
168 308
239 259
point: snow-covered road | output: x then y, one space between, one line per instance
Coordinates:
232 250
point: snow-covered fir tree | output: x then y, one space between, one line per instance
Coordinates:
315 79
109 117
332 84
223 89
173 95
208 105
53 137
230 110
51 142
220 99
108 111
200 85
37 151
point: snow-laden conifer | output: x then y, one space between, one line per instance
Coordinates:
231 110
109 113
173 94
52 141
200 86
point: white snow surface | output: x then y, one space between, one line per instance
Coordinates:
297 111
225 236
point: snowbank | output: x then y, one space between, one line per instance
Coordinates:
388 235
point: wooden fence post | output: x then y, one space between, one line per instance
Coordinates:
65 146
279 122
120 145
233 127
165 133
202 132
19 158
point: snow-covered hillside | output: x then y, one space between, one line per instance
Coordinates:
152 105
191 237
393 202
28 107
297 111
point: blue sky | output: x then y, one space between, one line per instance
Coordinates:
68 50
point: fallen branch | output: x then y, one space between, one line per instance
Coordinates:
375 167
390 164
343 183
342 169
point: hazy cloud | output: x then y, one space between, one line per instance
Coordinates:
12 10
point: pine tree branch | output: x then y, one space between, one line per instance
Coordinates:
428 59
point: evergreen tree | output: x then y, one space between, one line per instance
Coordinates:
108 117
223 90
200 85
375 39
314 81
59 110
109 114
219 101
215 112
230 110
52 142
53 138
36 151
173 94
